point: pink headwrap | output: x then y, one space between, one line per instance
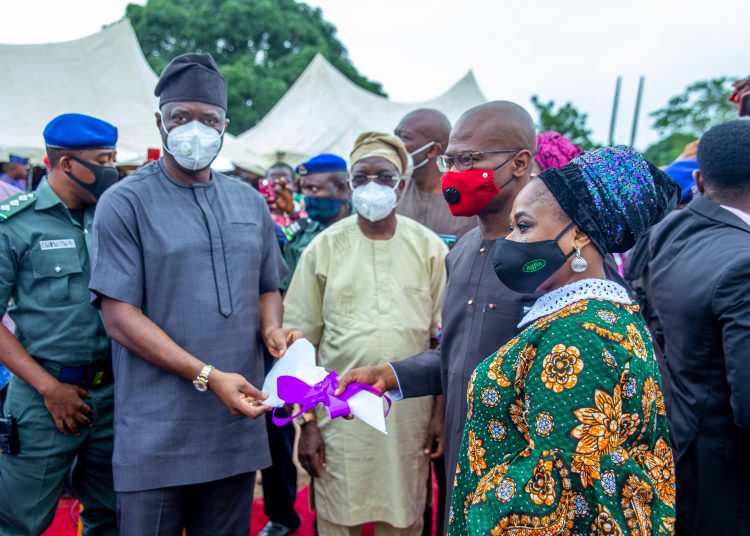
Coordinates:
554 150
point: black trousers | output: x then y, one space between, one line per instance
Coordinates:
218 508
280 480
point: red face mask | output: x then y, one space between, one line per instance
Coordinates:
468 192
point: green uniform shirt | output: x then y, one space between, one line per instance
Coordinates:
293 250
45 269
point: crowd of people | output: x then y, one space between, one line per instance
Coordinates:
564 333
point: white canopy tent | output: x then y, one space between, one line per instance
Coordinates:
323 111
104 75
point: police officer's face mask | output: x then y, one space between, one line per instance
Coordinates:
193 145
524 266
104 177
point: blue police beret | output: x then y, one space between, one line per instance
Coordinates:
321 163
15 159
78 131
682 173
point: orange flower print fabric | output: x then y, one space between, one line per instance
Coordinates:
561 368
567 431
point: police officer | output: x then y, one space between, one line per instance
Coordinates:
323 183
61 391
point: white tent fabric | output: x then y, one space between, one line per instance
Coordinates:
104 75
323 111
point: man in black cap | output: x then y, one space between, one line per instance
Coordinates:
187 294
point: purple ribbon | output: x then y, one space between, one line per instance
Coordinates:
294 391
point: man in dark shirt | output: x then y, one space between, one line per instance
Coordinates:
479 312
186 269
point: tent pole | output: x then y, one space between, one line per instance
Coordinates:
638 99
613 118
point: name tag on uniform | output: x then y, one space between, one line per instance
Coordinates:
57 244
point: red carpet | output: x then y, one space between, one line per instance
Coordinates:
63 524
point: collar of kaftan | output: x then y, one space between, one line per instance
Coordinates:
586 289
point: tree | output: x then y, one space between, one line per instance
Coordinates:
664 151
261 46
567 120
702 105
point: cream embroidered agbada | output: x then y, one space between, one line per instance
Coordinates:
366 302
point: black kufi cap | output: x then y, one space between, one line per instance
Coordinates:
192 78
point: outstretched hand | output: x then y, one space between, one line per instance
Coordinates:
381 377
237 394
277 340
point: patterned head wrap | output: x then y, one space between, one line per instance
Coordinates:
391 148
554 150
613 195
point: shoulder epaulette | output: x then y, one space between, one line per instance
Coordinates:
16 204
296 228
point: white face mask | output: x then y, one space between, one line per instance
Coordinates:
417 151
193 145
374 201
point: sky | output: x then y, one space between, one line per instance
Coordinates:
569 50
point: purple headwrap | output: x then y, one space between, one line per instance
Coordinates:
553 150
613 195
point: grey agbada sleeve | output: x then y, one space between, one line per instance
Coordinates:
419 375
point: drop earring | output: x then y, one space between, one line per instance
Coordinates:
578 264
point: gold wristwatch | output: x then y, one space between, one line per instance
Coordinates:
201 382
306 417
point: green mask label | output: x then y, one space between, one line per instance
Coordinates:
534 266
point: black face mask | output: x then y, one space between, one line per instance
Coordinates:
104 177
523 266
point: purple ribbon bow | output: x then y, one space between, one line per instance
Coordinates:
294 391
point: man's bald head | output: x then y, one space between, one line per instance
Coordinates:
425 123
491 130
493 125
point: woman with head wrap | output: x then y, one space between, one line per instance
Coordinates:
566 430
553 150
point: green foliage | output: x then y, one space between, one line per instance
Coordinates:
666 150
702 105
566 120
261 46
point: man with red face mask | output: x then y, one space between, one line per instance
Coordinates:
487 162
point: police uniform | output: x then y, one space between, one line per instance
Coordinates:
300 233
45 269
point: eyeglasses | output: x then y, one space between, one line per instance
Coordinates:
465 160
384 179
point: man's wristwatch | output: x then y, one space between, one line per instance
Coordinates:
306 417
201 382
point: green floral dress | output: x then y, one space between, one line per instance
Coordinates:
566 431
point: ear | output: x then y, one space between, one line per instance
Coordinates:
580 239
64 163
226 124
401 186
522 163
157 115
698 178
434 151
